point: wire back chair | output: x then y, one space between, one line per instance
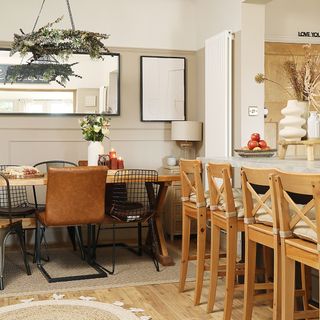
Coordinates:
10 226
133 195
19 199
133 199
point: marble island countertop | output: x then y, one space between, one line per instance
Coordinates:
292 165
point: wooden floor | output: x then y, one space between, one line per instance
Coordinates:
161 301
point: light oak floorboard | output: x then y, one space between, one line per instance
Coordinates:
161 301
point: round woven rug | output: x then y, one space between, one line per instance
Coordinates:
65 310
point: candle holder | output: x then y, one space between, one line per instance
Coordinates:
120 163
112 153
114 163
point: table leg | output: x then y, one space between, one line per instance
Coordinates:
164 257
310 152
282 151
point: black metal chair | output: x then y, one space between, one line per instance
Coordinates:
132 198
10 225
20 206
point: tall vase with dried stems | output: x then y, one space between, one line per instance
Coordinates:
293 121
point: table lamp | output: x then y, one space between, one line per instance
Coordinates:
186 132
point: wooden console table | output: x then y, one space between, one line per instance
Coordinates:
310 144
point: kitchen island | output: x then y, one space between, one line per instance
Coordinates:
291 165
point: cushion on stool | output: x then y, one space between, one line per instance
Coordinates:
238 202
303 231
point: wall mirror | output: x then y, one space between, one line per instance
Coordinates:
97 91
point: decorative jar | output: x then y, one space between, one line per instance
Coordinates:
313 125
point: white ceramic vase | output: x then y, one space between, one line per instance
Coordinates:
313 125
94 149
293 121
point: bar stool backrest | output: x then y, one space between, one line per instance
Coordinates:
295 214
220 187
191 181
259 197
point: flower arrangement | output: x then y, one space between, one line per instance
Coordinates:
304 78
95 127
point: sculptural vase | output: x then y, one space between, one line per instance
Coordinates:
95 148
293 121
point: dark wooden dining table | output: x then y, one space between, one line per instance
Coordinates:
164 180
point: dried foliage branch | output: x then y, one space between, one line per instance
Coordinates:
48 41
261 78
49 44
304 78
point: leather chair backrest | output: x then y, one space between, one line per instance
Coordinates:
75 196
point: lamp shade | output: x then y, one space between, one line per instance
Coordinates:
186 130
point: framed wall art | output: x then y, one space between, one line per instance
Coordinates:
163 88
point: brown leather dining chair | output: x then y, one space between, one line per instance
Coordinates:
75 197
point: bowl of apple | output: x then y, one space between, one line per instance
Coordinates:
256 147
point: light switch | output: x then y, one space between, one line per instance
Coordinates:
253 111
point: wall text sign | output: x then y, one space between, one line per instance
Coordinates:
309 34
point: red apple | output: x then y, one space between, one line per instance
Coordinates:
255 137
262 144
252 144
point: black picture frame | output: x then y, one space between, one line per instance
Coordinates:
165 77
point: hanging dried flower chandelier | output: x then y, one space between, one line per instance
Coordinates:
47 45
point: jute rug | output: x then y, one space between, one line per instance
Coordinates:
131 270
68 310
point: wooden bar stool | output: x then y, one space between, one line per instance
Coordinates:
226 214
299 234
193 208
261 226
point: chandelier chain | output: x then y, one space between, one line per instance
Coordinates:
36 22
70 15
69 11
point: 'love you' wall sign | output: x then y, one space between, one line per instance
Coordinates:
310 34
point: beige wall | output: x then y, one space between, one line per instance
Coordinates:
284 18
28 139
165 24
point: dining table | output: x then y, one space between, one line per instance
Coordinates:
165 180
